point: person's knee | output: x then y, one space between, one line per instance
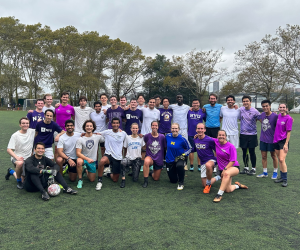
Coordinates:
155 178
19 164
281 160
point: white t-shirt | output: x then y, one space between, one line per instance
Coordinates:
81 115
149 115
134 146
140 106
68 143
51 107
230 120
114 143
22 144
106 107
89 145
100 120
180 114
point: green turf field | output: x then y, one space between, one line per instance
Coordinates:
267 216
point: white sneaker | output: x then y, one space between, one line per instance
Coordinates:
107 170
215 170
99 186
186 168
180 187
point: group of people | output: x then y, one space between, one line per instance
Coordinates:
145 138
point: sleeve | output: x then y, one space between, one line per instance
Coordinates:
125 144
37 127
186 146
146 138
123 114
29 116
204 116
258 115
29 166
79 143
233 154
57 128
100 138
141 115
239 115
171 106
60 143
12 142
221 113
104 132
50 163
289 124
72 111
143 142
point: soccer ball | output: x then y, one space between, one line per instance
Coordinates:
53 190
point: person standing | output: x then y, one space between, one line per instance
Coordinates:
150 114
133 115
166 116
36 115
64 111
48 103
82 113
114 111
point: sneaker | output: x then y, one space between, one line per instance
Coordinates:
180 187
245 171
79 184
252 172
215 170
122 184
274 176
242 186
145 184
207 189
217 198
284 183
61 187
278 180
151 168
192 169
45 196
65 169
20 185
141 169
8 174
84 170
107 170
263 175
70 191
99 186
186 168
199 169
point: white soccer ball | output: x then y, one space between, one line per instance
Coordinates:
53 190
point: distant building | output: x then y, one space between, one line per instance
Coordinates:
216 87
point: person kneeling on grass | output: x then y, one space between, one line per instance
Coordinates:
38 169
228 165
133 149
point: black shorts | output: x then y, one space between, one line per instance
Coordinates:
157 167
248 141
279 145
71 169
115 164
212 132
102 144
220 171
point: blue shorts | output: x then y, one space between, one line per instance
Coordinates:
192 143
91 167
263 146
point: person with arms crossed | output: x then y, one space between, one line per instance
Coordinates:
36 115
281 141
20 148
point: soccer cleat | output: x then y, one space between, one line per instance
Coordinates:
284 183
8 174
263 175
99 186
145 184
122 184
199 169
186 168
217 198
141 169
70 191
45 196
252 172
206 190
215 170
20 185
180 187
274 176
84 169
278 180
65 169
61 187
107 170
245 171
192 169
242 186
79 184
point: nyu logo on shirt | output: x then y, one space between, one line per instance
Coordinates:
195 116
46 130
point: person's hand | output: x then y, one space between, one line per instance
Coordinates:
235 106
82 134
140 135
203 110
285 148
45 171
195 136
90 160
57 105
71 163
104 111
39 120
19 158
30 111
191 109
120 130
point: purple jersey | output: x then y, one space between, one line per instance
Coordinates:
205 149
165 120
268 125
248 121
63 113
111 113
133 117
284 124
194 117
45 133
225 154
155 148
34 117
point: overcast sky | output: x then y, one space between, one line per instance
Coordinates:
164 26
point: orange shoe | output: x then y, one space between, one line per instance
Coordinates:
206 190
242 186
218 198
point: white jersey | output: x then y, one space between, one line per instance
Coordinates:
106 107
100 120
140 106
114 143
134 147
149 115
68 144
89 145
81 115
230 120
22 144
180 115
51 107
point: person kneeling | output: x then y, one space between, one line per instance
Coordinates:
38 168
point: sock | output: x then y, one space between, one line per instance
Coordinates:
80 179
218 177
11 171
191 166
123 180
150 173
284 175
237 186
208 182
220 192
145 179
19 180
108 175
99 179
275 170
280 174
199 166
265 170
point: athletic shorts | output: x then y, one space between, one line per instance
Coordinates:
54 135
184 133
115 164
248 141
212 132
279 145
49 153
91 167
157 167
263 146
71 169
203 169
238 167
13 160
192 142
102 144
233 139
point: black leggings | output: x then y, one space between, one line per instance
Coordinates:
176 171
252 157
136 166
